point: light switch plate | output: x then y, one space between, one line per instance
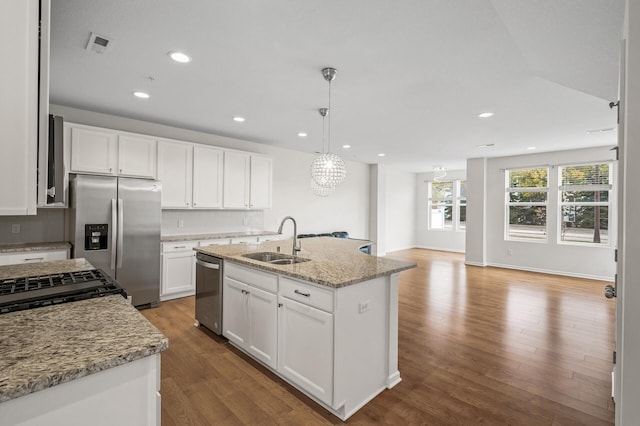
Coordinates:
15 228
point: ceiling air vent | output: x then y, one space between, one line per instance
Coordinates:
98 43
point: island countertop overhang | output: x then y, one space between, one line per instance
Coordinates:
333 262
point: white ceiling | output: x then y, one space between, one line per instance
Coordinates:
412 74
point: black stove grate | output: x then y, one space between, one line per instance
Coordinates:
32 292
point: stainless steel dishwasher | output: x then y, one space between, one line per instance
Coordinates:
209 292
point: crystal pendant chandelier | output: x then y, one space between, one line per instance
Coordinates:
328 170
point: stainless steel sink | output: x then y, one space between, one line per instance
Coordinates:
275 258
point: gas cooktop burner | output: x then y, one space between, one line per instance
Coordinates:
32 292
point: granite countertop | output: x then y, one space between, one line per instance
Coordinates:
43 347
27 247
193 237
335 262
44 268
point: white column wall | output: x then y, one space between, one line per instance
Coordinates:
476 247
400 213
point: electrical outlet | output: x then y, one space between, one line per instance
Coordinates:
15 228
363 306
245 221
180 223
510 252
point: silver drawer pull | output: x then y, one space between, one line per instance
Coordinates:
302 294
179 246
33 259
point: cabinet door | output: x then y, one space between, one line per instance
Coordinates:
93 151
207 177
234 313
137 156
19 106
174 170
178 273
263 326
236 180
305 348
260 193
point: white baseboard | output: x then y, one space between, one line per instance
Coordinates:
552 272
475 263
440 249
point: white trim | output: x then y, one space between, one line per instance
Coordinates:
551 272
469 263
439 249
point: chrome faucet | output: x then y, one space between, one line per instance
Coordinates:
296 243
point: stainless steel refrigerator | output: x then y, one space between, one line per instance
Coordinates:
114 223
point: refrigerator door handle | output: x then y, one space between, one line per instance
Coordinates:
114 221
120 248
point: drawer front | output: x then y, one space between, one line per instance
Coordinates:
179 246
307 294
214 242
239 240
33 257
260 279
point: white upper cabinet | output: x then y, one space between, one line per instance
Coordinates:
237 167
19 105
94 151
137 156
105 152
175 171
247 181
260 187
207 177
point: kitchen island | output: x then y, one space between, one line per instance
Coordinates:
94 361
328 325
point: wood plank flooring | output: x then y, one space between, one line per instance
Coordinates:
476 346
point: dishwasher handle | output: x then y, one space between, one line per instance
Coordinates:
207 265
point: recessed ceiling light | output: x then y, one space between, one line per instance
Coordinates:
485 114
381 154
141 95
346 146
302 134
531 148
180 57
486 145
238 119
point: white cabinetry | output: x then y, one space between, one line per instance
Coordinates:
178 269
250 313
101 151
207 177
174 170
191 175
33 257
19 22
247 181
127 395
137 156
305 341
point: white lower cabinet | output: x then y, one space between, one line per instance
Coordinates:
178 270
250 314
33 257
305 348
337 345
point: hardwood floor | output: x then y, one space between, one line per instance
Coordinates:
476 345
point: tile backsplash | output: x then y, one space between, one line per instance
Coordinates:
46 226
182 222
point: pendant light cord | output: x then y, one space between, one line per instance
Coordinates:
329 143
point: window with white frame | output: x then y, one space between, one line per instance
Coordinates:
526 203
585 191
447 205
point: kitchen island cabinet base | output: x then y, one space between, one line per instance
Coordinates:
127 395
349 352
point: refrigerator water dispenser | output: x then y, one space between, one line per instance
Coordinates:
95 236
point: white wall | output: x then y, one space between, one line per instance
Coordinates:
400 216
476 241
435 239
575 260
347 209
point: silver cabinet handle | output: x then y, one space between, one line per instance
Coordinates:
208 265
34 259
302 294
114 235
177 247
120 232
